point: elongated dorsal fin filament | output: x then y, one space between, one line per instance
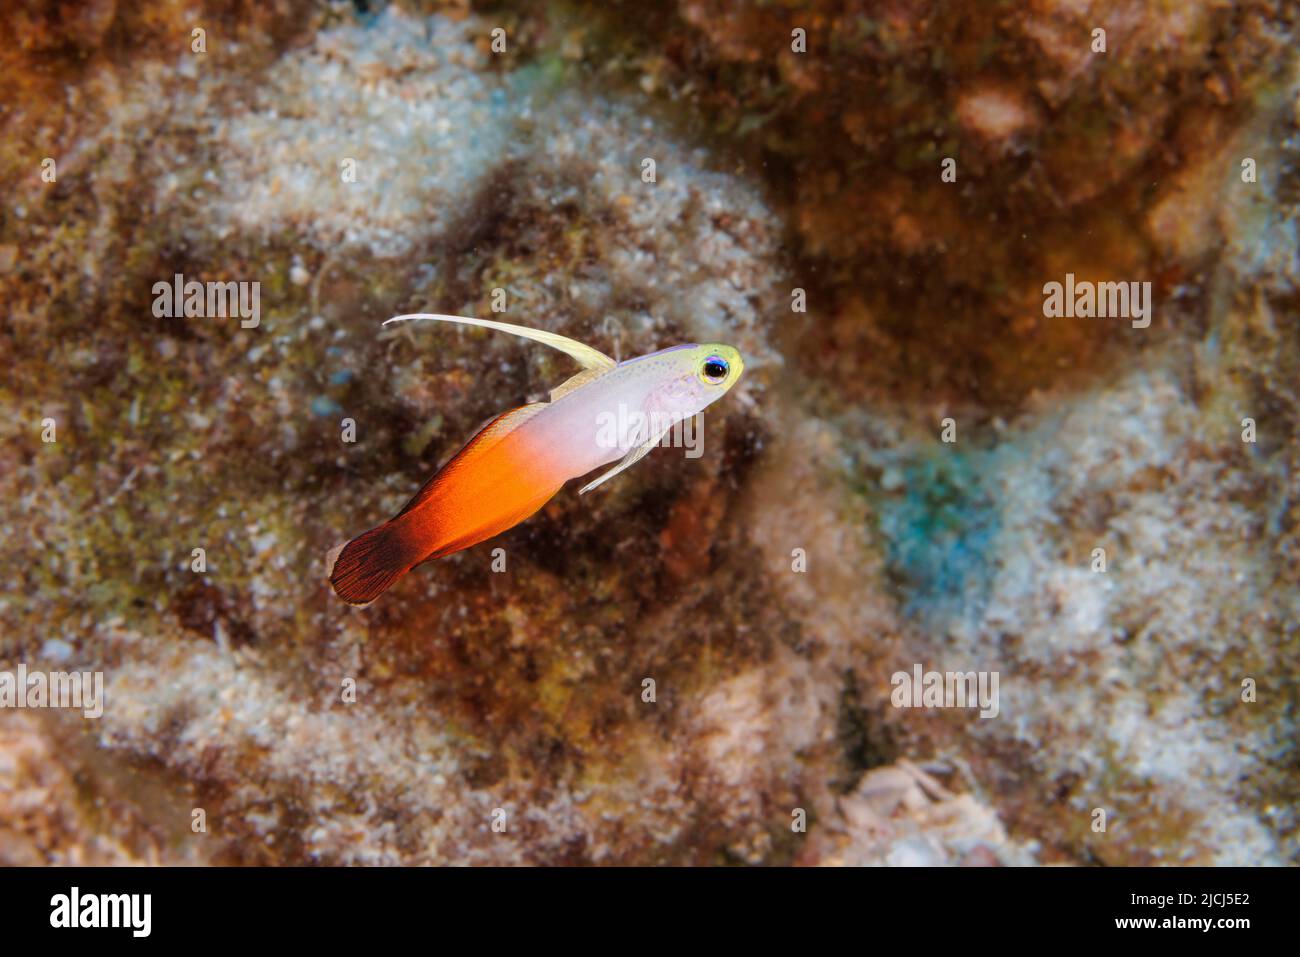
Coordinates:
586 356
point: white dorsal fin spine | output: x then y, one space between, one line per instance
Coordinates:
576 382
585 355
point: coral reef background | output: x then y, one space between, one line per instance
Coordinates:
522 690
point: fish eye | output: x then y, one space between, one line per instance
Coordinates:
715 369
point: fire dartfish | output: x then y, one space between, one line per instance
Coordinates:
611 411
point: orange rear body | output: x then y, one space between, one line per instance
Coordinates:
495 482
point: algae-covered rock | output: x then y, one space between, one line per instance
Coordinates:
698 662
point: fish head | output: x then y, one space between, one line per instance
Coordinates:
697 376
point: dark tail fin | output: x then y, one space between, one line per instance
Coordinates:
365 567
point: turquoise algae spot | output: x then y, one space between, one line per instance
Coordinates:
324 405
938 531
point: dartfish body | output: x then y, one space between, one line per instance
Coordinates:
522 458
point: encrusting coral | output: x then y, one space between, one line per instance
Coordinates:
360 166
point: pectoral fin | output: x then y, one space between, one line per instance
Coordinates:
632 457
